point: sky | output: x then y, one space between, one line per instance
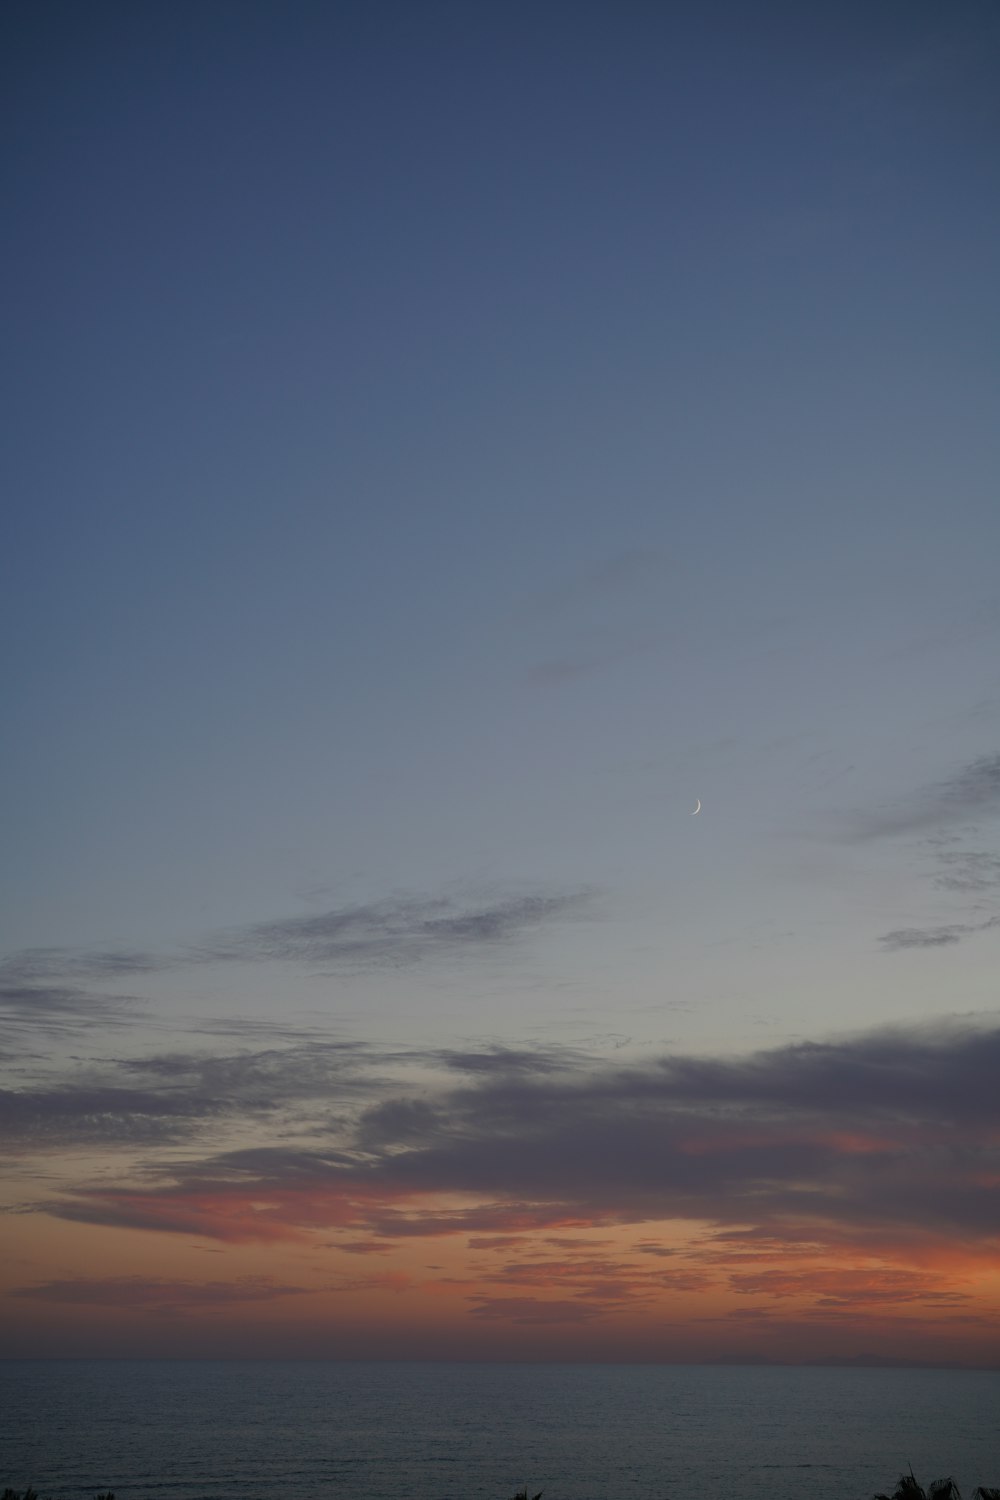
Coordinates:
448 443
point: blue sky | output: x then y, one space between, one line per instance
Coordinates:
446 442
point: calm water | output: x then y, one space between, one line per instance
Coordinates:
227 1430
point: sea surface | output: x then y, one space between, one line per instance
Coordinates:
234 1430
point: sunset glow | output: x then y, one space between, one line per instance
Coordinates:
502 763
561 1207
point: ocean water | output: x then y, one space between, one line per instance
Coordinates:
235 1430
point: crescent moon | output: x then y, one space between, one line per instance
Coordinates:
697 809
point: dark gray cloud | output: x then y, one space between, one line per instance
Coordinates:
311 1085
108 1116
926 937
945 812
934 937
59 1007
35 965
968 797
398 1122
56 1002
969 871
513 1060
170 1097
891 1133
394 933
400 932
263 1079
876 1074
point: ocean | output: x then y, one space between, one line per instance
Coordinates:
301 1430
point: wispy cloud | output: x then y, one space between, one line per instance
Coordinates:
311 1084
34 965
58 1009
934 937
847 1286
170 1097
394 933
946 811
922 937
967 797
402 931
602 1280
109 1116
970 871
505 1061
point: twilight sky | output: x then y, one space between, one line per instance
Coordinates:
446 442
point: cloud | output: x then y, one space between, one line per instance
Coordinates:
56 1009
972 794
35 964
883 1139
850 1286
395 933
41 1118
916 937
152 1292
226 1218
403 931
597 1279
943 811
513 1060
170 1097
286 1206
262 1079
971 871
387 1281
934 937
362 1247
397 1121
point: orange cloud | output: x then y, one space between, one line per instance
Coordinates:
847 1286
237 1214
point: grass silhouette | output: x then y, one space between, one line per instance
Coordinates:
31 1494
907 1488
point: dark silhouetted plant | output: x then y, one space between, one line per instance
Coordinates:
31 1494
523 1495
907 1488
